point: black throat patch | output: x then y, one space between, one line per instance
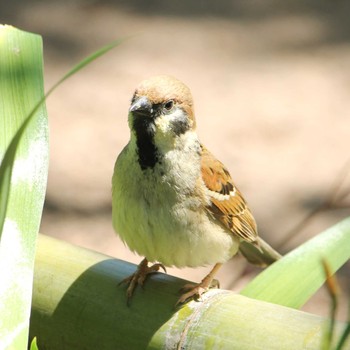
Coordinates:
146 149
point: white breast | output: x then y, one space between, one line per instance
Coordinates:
158 214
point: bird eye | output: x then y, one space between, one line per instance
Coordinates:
169 105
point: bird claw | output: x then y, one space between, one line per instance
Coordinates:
139 277
195 291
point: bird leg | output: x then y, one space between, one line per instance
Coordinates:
139 277
196 290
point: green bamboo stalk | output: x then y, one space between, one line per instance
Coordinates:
77 304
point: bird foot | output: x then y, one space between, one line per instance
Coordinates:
139 277
195 291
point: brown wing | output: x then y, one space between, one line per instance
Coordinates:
227 204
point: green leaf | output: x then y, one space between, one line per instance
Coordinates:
23 173
8 160
345 335
23 177
34 345
83 63
292 280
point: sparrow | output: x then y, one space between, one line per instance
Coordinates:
173 202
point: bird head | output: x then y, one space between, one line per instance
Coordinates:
163 106
160 117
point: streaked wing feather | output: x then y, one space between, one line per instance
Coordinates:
227 204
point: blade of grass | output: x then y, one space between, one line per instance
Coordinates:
333 291
345 335
292 280
34 345
9 157
23 173
23 176
85 62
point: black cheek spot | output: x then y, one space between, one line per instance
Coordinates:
180 126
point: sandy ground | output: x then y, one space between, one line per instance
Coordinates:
271 83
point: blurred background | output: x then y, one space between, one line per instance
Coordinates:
271 84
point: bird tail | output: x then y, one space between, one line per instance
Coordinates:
260 254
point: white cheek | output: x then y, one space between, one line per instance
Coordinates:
165 136
177 116
163 124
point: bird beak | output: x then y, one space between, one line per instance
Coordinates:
141 105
